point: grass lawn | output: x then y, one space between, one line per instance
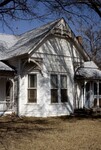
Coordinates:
63 133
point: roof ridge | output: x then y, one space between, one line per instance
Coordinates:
26 37
54 23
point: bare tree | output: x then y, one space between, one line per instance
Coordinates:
24 9
66 5
16 9
92 41
96 6
31 9
71 9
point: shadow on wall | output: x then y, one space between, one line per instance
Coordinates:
56 62
54 48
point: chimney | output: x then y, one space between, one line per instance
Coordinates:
79 38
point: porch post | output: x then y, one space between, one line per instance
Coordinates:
18 90
97 93
84 97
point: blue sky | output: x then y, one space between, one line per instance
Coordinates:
20 27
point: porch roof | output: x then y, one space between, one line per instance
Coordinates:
4 67
88 73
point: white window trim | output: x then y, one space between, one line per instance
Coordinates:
35 73
59 89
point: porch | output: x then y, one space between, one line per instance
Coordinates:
88 79
6 89
6 95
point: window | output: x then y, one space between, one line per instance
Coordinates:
88 87
95 88
54 88
58 88
8 88
32 88
63 80
100 88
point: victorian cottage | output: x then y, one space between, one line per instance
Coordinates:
46 72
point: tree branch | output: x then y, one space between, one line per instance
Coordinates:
5 2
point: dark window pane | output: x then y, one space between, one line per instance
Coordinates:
63 80
88 87
8 87
95 88
95 102
54 81
32 95
99 88
32 80
54 95
64 95
100 102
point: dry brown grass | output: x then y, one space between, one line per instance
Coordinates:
61 133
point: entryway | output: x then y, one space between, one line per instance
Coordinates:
93 94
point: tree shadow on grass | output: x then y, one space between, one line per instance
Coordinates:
20 128
75 118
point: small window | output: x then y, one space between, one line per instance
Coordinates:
63 81
8 88
54 88
88 87
95 102
100 102
95 88
54 81
32 88
99 88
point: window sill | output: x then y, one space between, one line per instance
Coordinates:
61 103
31 104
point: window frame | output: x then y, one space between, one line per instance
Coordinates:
54 88
31 88
59 89
63 88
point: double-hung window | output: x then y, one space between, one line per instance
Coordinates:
58 88
32 88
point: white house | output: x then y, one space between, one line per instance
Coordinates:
46 72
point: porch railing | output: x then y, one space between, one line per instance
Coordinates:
9 103
6 105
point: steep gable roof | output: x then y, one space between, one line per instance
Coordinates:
26 43
29 40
